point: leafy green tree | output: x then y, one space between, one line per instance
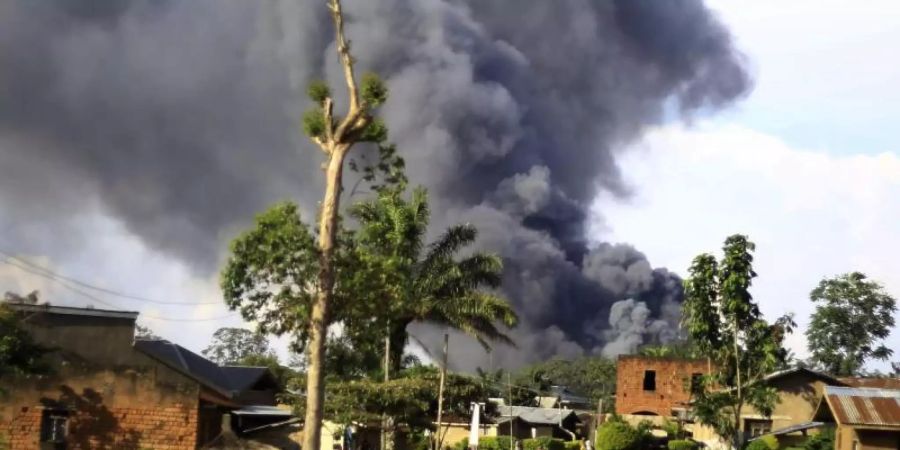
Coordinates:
231 346
144 333
409 398
20 355
591 376
852 318
426 283
725 323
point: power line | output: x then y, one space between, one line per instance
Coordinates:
66 285
47 273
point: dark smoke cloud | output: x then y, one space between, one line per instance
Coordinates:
180 118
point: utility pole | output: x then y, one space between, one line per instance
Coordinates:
509 398
437 436
387 367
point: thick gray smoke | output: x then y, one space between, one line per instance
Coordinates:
180 118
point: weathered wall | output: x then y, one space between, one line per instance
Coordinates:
798 396
116 397
672 380
878 440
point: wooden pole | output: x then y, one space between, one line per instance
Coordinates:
387 367
438 438
509 398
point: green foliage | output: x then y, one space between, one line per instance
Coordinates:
373 90
617 435
824 440
318 91
495 443
20 355
462 445
591 376
543 443
231 346
727 327
758 444
682 444
375 131
314 123
409 399
573 445
419 283
770 441
853 314
142 332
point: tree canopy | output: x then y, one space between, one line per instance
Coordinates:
233 346
852 318
20 355
725 324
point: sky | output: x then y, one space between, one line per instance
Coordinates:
806 165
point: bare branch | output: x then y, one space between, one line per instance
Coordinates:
328 108
347 62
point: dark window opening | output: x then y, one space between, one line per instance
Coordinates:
696 382
53 427
649 380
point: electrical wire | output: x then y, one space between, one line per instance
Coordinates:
54 275
67 285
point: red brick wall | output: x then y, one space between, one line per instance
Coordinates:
171 428
672 378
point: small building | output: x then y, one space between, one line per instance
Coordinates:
864 418
653 386
107 390
526 422
799 391
562 397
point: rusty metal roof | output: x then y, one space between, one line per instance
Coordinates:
881 383
864 406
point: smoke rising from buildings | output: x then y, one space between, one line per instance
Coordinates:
180 119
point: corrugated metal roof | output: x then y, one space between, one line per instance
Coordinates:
864 406
543 416
881 383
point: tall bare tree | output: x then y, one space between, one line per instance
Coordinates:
335 136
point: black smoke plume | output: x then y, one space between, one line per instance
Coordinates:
180 119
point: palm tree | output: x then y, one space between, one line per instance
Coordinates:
430 283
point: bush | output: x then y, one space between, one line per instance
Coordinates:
617 436
770 441
758 444
544 442
822 441
572 445
494 443
682 444
462 445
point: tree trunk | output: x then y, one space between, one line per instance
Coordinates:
398 338
738 434
315 379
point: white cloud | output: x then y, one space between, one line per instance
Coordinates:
811 214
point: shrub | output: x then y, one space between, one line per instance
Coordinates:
543 442
461 445
572 445
770 441
494 443
617 436
822 441
682 444
758 444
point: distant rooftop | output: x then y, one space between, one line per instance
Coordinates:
72 311
541 416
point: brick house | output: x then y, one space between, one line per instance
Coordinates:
109 391
655 386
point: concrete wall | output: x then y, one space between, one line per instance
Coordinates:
798 396
115 396
672 380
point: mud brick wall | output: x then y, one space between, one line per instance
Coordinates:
172 428
672 384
